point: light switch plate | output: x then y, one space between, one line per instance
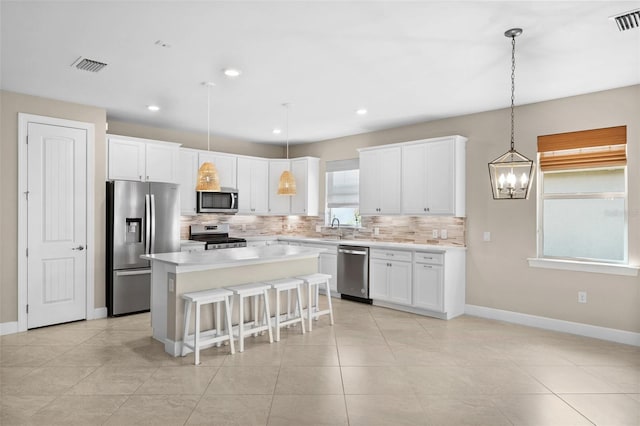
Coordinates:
244 227
376 231
486 236
444 234
434 233
318 228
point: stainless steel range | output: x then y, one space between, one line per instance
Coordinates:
215 236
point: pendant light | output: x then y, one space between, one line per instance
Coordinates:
511 174
208 179
287 183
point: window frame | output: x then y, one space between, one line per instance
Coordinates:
338 166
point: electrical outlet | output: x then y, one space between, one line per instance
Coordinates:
434 233
376 231
172 285
244 227
318 228
444 234
582 297
486 236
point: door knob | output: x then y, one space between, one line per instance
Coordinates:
78 248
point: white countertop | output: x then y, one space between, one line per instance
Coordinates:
216 259
372 244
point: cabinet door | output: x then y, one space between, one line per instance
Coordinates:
299 202
328 264
379 279
428 287
369 184
126 159
161 162
400 282
380 181
390 180
440 177
278 204
187 176
226 166
414 179
253 185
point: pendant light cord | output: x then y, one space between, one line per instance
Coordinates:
287 123
209 118
513 87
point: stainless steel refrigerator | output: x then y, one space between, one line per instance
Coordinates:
142 218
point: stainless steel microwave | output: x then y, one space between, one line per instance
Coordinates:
225 201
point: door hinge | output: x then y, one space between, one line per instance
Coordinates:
27 308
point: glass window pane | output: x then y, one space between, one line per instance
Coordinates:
349 216
584 228
585 181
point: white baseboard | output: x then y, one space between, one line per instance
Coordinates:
99 313
8 328
603 333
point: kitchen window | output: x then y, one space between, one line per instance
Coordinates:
582 200
342 192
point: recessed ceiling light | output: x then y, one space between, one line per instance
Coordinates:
153 108
277 131
231 72
361 111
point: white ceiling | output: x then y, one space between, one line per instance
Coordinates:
405 62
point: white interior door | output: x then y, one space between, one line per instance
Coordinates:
57 224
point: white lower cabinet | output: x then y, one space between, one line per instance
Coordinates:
428 287
390 279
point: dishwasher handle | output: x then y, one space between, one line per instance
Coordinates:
358 252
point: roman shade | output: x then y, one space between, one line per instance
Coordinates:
343 183
584 149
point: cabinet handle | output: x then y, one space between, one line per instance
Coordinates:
390 254
428 209
425 209
140 177
147 177
427 266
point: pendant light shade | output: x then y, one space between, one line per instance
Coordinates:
287 183
511 174
208 179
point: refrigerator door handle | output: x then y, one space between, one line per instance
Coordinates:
147 224
135 272
153 223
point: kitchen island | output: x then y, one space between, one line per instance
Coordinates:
173 274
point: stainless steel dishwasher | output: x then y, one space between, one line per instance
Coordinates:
353 273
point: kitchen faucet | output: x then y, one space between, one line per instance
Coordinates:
334 220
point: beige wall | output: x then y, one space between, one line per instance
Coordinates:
197 140
11 105
498 275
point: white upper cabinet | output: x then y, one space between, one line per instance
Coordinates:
278 204
380 181
306 172
142 160
226 165
253 185
187 177
433 177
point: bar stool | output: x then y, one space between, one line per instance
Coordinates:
287 284
314 281
254 290
199 339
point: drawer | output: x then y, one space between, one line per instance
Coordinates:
429 257
391 254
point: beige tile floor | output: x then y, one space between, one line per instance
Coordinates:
373 367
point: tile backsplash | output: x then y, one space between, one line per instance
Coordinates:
401 229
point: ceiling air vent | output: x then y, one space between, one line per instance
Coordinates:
627 20
88 64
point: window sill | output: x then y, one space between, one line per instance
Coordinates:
574 265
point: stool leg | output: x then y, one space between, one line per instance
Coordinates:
218 320
254 299
329 301
267 314
187 318
240 323
316 306
196 335
309 305
299 298
277 315
288 305
227 311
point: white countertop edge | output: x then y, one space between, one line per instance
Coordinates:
373 244
574 265
200 267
